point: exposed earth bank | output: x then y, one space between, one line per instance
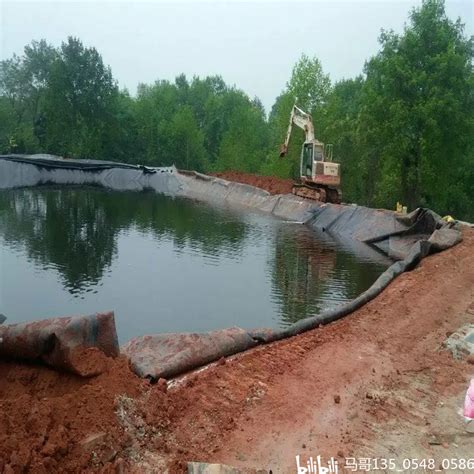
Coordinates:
270 183
377 384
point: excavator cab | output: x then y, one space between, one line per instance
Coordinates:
318 151
312 153
307 160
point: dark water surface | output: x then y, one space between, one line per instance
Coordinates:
165 264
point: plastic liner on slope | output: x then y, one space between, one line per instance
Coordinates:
219 191
442 239
392 233
358 222
31 170
389 232
78 344
167 355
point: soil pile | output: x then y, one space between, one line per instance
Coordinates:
51 420
270 183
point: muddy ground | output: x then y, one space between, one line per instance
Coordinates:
376 384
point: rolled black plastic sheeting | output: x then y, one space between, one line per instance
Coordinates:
53 162
77 344
167 355
418 251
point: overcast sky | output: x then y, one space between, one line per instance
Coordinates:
251 44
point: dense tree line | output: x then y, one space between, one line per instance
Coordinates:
403 130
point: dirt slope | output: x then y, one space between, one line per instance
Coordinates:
375 384
270 183
51 421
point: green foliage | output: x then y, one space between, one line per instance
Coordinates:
309 86
416 119
278 123
244 143
186 141
7 125
80 94
339 126
404 131
308 83
23 83
202 124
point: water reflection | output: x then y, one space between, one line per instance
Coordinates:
75 231
313 271
167 264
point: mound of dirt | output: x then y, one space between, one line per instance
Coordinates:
54 421
270 183
51 420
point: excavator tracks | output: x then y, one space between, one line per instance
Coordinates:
318 193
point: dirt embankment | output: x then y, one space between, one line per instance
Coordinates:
269 183
50 420
375 384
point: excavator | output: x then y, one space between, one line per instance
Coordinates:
320 178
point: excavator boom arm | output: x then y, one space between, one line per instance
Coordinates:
302 120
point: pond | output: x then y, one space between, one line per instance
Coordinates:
167 264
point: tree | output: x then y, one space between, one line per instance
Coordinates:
23 82
12 83
416 118
7 125
120 137
202 124
245 143
80 93
308 83
339 125
186 141
278 124
154 108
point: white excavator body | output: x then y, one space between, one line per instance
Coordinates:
320 177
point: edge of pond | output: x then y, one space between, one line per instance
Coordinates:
408 238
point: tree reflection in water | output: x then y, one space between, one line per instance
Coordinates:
313 271
173 264
75 230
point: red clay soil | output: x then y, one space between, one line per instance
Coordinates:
376 384
269 183
47 417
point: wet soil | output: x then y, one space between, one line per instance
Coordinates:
377 383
